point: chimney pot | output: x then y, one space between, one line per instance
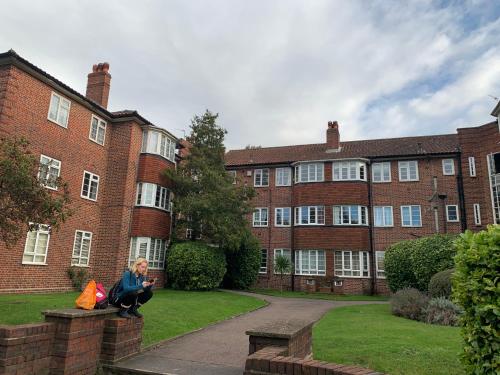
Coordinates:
98 84
333 135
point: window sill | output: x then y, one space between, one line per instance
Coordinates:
34 264
55 122
88 199
354 277
260 186
282 226
80 266
94 141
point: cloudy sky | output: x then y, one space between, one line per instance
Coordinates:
275 70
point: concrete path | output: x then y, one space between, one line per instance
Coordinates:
222 348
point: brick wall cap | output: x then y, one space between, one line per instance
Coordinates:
79 313
281 328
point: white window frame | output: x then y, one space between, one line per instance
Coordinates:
338 214
379 257
257 221
263 260
343 269
300 265
147 194
472 166
60 105
158 143
477 214
282 209
385 215
444 163
354 170
314 170
101 125
410 207
34 253
406 165
260 174
52 164
92 178
283 176
77 259
285 252
319 211
448 206
383 166
155 251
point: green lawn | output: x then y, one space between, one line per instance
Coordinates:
369 336
328 296
168 314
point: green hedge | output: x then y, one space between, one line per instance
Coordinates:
476 288
194 265
398 269
440 284
243 263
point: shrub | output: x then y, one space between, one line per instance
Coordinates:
431 255
409 303
195 266
243 264
440 284
78 276
398 270
477 291
442 311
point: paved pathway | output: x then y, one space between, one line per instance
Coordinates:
222 348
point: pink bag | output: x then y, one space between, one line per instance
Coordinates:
101 300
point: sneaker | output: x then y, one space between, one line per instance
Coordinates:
133 311
123 313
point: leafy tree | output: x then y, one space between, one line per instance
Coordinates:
206 200
23 199
282 266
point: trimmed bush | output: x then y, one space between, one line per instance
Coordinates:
440 284
442 311
398 269
243 264
476 288
409 303
194 265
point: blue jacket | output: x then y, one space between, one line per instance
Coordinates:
130 283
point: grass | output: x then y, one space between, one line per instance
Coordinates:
327 296
369 336
169 313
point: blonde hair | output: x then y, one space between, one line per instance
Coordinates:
133 267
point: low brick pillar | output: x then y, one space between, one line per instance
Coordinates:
77 340
122 338
26 349
294 335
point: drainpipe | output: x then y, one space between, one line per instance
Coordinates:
292 233
461 195
370 230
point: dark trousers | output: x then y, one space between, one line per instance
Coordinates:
134 298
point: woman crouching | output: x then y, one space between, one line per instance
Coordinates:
135 289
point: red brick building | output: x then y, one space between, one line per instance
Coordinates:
112 162
334 207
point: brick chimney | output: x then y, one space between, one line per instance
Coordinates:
98 84
332 135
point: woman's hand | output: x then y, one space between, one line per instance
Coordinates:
145 284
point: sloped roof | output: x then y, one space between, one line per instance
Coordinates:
374 148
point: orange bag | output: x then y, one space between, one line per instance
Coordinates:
86 300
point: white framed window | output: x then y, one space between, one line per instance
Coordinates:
352 264
349 170
309 172
477 214
97 130
310 262
190 234
49 172
283 176
472 166
452 212
448 167
287 253
410 216
59 110
233 176
153 249
381 172
282 216
152 195
260 217
350 215
408 170
382 216
263 261
90 186
310 215
81 248
37 245
155 142
261 177
379 256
